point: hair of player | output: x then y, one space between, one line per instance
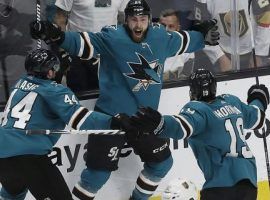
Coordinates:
169 12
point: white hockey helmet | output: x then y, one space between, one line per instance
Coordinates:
180 189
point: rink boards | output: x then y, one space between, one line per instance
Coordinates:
69 151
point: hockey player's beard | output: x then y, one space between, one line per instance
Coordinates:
136 36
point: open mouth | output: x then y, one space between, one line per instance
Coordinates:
138 33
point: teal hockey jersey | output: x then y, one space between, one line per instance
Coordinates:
130 73
42 104
215 134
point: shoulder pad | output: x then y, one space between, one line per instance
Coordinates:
156 25
193 106
224 96
111 27
202 1
228 96
55 87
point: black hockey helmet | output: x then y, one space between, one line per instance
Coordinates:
203 85
137 7
40 61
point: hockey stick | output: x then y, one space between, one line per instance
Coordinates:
253 47
74 132
257 83
266 155
38 12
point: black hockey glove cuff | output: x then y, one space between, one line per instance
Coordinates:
148 121
65 61
46 31
209 29
123 122
259 92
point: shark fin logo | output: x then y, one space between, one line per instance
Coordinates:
145 72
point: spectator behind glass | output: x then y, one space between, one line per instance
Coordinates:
222 11
86 15
262 32
15 42
179 65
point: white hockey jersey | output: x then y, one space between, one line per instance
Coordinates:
91 15
222 11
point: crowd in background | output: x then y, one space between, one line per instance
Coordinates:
235 52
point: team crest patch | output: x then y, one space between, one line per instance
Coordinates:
147 73
226 21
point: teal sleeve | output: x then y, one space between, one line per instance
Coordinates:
72 43
257 103
253 114
196 41
97 121
172 128
184 41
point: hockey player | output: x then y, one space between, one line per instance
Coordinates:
130 75
214 128
37 102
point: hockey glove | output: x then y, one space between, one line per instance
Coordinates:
65 61
46 31
148 121
209 29
259 92
122 121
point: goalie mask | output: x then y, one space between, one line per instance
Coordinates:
40 61
203 85
180 189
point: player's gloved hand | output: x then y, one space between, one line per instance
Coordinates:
65 61
46 31
259 92
123 122
209 29
148 121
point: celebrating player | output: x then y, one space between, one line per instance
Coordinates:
214 128
37 102
130 75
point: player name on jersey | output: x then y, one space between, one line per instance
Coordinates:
25 85
224 111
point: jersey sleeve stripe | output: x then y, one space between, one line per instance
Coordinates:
81 47
83 119
260 119
88 50
185 41
185 125
76 117
79 118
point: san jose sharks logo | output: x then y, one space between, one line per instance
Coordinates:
145 72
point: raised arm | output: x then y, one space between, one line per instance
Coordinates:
75 43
